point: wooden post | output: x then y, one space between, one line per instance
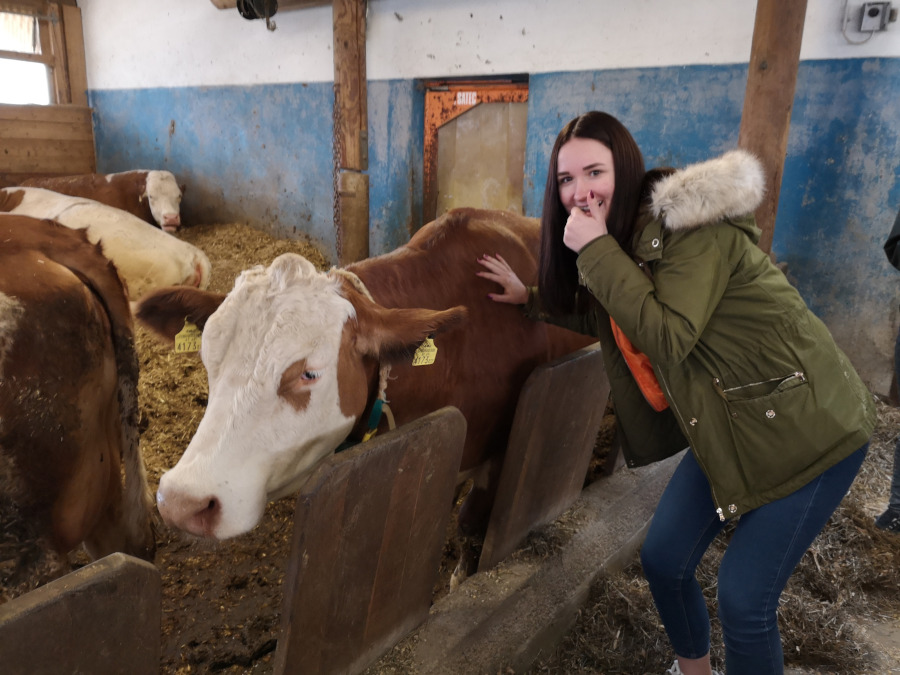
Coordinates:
351 129
772 78
74 34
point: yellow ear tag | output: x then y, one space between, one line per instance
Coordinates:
425 354
188 339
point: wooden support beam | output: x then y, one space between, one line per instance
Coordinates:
354 198
75 62
350 82
769 98
351 128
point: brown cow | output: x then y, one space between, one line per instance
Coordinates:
152 196
297 357
68 404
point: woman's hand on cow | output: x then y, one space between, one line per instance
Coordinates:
582 228
499 271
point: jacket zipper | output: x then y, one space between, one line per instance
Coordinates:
781 380
677 412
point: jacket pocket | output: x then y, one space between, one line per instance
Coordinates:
778 429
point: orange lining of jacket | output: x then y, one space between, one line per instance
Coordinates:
641 370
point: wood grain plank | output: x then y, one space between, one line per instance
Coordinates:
46 156
554 431
76 66
369 530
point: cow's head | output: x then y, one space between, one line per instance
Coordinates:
164 196
290 353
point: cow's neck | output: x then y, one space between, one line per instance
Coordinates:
377 377
376 407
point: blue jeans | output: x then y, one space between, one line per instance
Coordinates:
766 546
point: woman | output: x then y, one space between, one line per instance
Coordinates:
706 345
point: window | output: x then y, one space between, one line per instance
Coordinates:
41 53
24 80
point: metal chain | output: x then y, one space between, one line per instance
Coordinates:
338 153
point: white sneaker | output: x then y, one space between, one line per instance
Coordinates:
675 670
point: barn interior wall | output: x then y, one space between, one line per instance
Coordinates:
243 116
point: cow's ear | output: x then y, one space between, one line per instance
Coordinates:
391 334
165 310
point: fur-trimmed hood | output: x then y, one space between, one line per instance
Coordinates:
725 187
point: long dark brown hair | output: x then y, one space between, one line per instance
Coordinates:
558 274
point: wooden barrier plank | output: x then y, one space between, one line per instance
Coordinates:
48 156
554 431
28 129
46 113
46 140
369 530
103 618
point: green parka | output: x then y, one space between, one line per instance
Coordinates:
756 385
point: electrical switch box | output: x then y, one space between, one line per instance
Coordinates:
874 16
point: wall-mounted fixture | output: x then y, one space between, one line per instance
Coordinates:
265 9
871 18
258 9
875 16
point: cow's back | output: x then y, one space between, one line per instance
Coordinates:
122 191
482 365
145 256
68 393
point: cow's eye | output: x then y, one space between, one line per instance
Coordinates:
310 375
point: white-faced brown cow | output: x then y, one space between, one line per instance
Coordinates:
145 256
152 196
296 359
68 402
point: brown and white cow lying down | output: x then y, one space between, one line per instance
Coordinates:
68 401
152 196
145 256
294 358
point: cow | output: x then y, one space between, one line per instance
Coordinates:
152 196
145 256
68 403
297 359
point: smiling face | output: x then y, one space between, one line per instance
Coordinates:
585 165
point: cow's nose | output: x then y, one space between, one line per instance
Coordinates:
172 220
197 515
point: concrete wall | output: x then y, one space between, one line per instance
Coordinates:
243 116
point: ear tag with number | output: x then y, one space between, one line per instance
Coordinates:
425 354
188 339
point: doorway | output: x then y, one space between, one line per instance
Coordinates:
474 145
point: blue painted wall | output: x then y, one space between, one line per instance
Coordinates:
262 154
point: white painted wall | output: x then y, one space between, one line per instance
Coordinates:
180 43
